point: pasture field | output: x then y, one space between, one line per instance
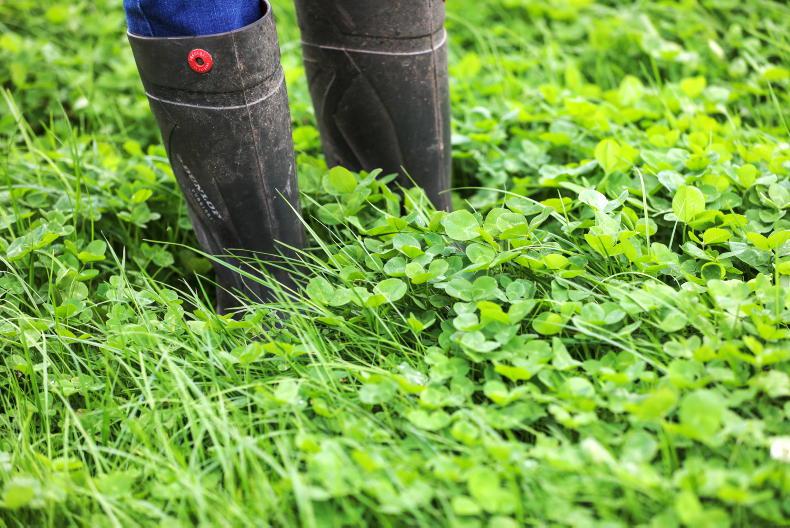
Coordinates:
596 336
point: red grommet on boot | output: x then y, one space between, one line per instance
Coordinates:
200 60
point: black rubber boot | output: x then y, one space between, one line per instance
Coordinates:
378 77
222 108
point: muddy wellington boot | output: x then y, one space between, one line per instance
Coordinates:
378 77
222 107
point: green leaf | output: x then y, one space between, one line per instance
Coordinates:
465 506
702 414
19 249
555 261
548 323
458 288
39 238
249 353
594 199
378 392
475 342
498 392
613 156
430 421
606 153
391 289
779 195
655 405
339 180
395 267
287 392
759 241
57 14
747 175
687 203
484 485
715 235
693 86
461 225
480 254
141 196
93 252
419 324
116 483
484 287
320 290
20 492
673 321
778 238
562 360
407 244
513 373
775 73
670 179
774 383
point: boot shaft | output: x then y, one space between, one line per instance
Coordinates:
222 107
342 22
378 77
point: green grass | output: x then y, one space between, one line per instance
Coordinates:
598 336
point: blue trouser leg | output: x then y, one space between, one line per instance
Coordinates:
183 18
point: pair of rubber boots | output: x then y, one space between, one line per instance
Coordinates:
377 71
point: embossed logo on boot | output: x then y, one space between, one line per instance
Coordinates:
208 209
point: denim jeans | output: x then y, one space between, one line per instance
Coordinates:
184 18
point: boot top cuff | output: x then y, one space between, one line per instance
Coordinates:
347 22
220 63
